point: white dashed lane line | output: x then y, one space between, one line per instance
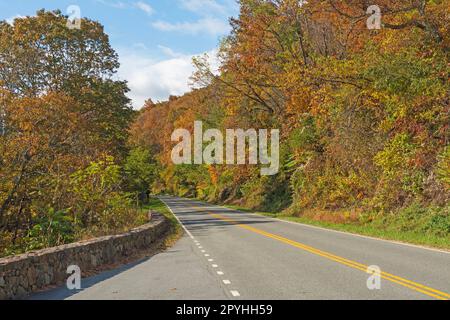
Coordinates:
234 293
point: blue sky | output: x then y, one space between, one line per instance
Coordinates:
155 39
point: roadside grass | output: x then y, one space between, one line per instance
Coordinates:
373 229
176 229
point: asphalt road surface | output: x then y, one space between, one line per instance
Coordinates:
226 254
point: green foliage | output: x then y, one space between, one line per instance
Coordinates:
119 214
305 137
96 189
443 166
96 179
363 118
140 169
404 74
395 156
434 221
51 229
439 225
254 192
363 115
60 109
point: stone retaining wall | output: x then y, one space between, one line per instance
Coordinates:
23 274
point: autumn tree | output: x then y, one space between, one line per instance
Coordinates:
60 112
39 54
363 113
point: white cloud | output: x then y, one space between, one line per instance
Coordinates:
169 52
140 46
145 7
141 5
114 4
212 26
157 79
204 7
212 17
10 20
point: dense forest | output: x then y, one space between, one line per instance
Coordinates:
363 115
63 135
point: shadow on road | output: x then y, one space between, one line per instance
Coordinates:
63 293
196 216
198 220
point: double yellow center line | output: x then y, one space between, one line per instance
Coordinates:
387 276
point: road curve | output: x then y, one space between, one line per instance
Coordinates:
226 254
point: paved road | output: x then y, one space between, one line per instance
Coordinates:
226 254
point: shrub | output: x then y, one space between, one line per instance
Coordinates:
51 229
443 166
439 224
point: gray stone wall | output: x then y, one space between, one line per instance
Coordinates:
23 274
